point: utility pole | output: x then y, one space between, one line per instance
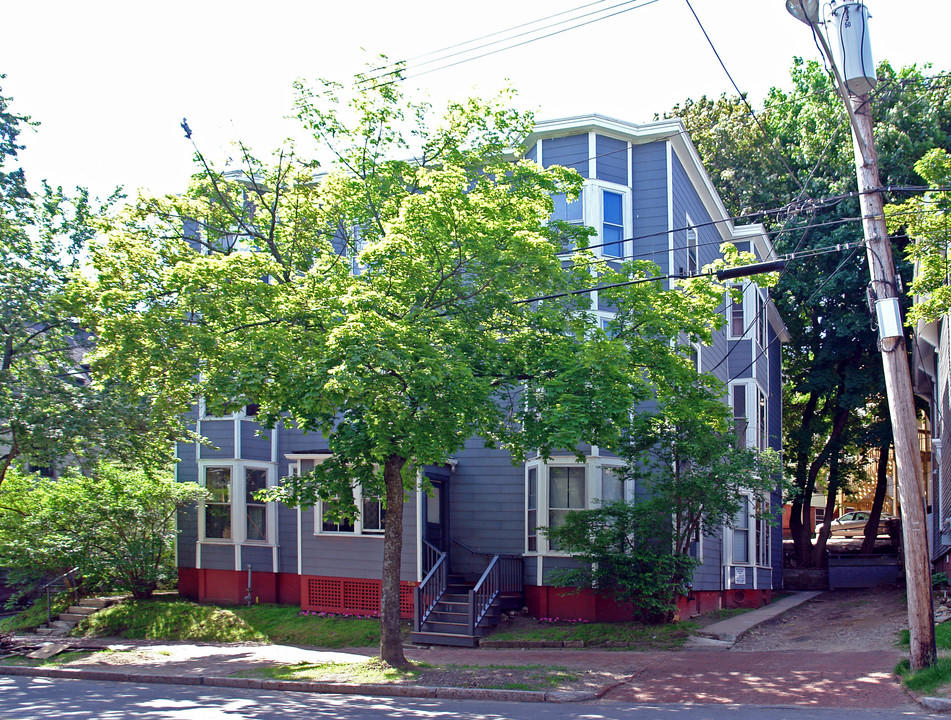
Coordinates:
884 287
901 401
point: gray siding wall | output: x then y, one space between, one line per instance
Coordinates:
741 358
612 159
220 434
255 442
356 556
649 184
259 558
487 501
220 556
286 539
187 471
571 151
707 575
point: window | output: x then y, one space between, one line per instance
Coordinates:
231 512
760 319
568 211
552 491
566 492
256 511
741 534
761 434
218 505
737 316
693 249
762 532
370 518
740 422
612 227
531 523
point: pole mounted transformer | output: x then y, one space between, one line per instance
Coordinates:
855 47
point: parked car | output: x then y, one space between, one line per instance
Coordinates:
852 524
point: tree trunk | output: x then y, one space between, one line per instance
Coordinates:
818 552
391 639
881 485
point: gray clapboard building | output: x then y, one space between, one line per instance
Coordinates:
648 196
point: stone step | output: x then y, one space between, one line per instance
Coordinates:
63 624
82 609
97 603
73 618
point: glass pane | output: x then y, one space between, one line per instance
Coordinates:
742 519
741 550
572 212
218 521
558 487
372 515
533 488
612 237
611 487
613 209
432 506
576 488
255 479
218 483
328 525
257 522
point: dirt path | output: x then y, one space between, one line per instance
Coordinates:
839 621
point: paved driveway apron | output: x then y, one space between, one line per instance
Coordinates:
782 677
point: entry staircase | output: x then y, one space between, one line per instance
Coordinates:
451 611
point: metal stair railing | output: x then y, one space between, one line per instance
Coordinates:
55 583
428 593
504 574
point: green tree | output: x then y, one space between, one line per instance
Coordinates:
925 220
795 179
117 526
691 479
49 409
379 303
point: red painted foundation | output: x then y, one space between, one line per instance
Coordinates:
356 596
551 602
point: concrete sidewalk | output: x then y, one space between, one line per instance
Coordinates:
704 672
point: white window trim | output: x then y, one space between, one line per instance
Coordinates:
239 530
693 252
593 209
593 492
358 529
754 524
753 391
745 303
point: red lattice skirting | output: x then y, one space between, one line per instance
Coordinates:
350 595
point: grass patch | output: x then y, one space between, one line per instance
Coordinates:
669 635
942 636
371 671
177 619
928 680
505 677
35 615
168 619
285 625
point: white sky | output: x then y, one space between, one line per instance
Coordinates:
111 80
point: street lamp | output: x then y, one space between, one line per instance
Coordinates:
806 11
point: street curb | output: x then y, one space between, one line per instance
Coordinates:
941 705
414 691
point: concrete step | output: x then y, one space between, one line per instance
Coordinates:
97 603
82 610
433 638
73 618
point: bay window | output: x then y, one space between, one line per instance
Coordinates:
231 512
